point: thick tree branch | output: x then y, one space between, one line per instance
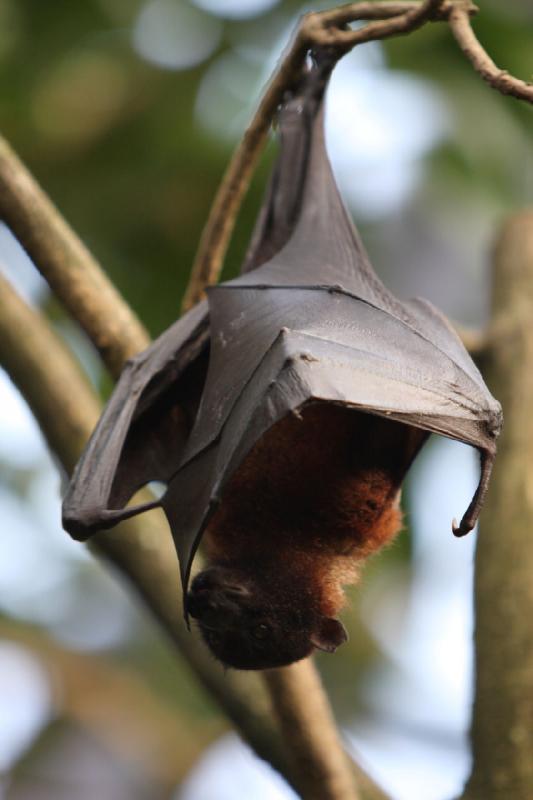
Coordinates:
71 271
299 700
502 728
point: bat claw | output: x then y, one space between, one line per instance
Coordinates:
462 529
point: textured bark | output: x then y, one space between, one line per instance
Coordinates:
502 728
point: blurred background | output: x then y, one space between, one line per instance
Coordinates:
127 112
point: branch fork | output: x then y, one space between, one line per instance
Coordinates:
329 29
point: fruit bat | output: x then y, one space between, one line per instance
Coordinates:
282 414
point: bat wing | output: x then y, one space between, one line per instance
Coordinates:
143 429
315 345
309 321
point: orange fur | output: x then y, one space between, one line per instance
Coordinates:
318 493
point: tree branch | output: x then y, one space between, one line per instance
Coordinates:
71 271
325 29
502 729
499 79
299 700
314 29
228 199
326 32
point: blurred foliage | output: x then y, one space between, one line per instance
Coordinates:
158 738
116 142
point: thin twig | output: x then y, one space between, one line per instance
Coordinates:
234 185
483 64
326 29
345 40
356 12
228 199
436 11
313 29
71 271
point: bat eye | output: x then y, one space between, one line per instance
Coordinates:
261 631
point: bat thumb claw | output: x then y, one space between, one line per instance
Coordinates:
462 529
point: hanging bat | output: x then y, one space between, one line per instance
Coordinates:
282 414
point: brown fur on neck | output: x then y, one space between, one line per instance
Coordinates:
317 494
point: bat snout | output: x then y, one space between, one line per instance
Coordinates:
213 599
220 579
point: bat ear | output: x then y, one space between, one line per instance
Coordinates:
328 635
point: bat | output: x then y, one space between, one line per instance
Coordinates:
282 414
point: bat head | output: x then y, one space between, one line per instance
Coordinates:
248 625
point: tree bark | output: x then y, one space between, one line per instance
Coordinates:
502 727
299 700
